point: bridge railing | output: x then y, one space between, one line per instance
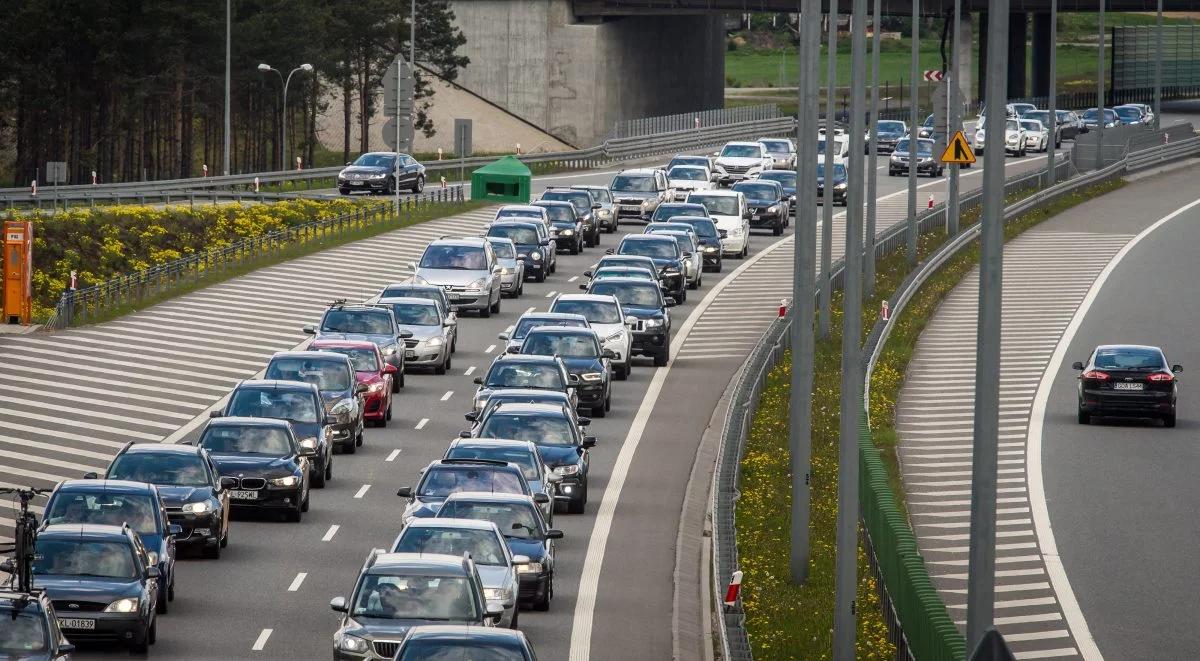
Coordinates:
918 622
633 128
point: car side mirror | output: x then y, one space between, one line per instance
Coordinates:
389 368
66 648
587 274
544 242
521 560
175 529
513 349
1077 365
228 482
687 255
477 380
495 609
583 422
583 287
404 334
541 498
447 323
338 604
503 336
471 417
609 251
597 205
329 420
91 476
1177 368
464 434
412 265
404 492
496 270
215 414
310 329
669 301
152 572
610 354
589 442
554 533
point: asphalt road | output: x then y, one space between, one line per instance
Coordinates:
280 577
1122 495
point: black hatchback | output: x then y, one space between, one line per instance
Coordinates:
1128 380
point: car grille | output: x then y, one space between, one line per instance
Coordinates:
64 607
411 344
737 169
252 483
386 648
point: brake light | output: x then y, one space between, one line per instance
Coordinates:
1096 375
1161 376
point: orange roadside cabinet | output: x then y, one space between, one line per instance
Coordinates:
18 270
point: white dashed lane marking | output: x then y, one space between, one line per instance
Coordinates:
330 533
362 491
297 582
261 641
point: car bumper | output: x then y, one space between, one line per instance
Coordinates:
469 300
198 529
733 178
109 627
711 258
1109 403
533 587
839 197
277 498
363 185
634 212
424 356
590 396
508 282
650 344
733 244
928 168
341 433
769 220
672 282
375 407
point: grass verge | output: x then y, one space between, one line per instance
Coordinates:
786 621
295 251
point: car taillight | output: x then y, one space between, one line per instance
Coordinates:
1161 376
1096 375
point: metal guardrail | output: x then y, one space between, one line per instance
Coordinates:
691 120
77 306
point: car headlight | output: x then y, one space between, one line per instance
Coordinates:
378 176
127 605
197 508
592 377
343 407
670 270
504 270
419 280
840 187
389 350
614 337
347 643
653 323
153 557
531 568
376 387
710 249
567 469
477 284
566 232
605 213
310 443
285 481
434 341
497 594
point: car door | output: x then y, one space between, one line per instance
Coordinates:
153 585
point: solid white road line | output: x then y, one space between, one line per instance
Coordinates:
424 421
362 491
296 582
261 641
1037 488
330 533
448 395
531 309
392 455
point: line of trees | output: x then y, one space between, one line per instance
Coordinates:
134 89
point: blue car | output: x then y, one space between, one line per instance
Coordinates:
116 503
531 249
786 179
103 587
568 226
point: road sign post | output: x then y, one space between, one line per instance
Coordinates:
954 112
462 144
872 170
827 201
399 100
913 132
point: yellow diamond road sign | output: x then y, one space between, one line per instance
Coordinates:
958 152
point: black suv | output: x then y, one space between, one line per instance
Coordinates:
668 259
398 591
645 306
768 208
261 464
344 398
514 371
709 238
101 581
579 349
365 322
585 208
31 631
531 248
570 234
298 403
189 485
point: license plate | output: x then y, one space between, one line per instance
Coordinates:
756 217
243 495
75 623
356 183
1128 386
410 354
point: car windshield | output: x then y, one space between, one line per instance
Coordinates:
540 429
600 194
525 375
518 456
596 312
1129 113
786 178
633 183
704 228
741 151
518 235
526 325
326 375
425 649
1031 126
557 344
409 291
459 258
483 545
109 509
364 360
285 405
1129 358
839 170
1038 115
515 520
267 441
416 597
687 172
923 148
685 242
25 633
777 146
581 200
78 557
441 481
721 205
504 250
757 191
519 213
376 161
628 293
890 127
652 249
560 213
364 322
416 314
173 469
1012 125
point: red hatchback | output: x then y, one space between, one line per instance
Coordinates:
369 368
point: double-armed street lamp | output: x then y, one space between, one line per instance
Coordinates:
283 118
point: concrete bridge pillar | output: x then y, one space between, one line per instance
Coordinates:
962 63
981 68
1041 54
1017 61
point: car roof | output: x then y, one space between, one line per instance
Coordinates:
244 421
414 285
639 171
468 464
513 222
472 524
492 497
553 203
1128 346
457 632
595 298
631 281
346 344
743 143
689 166
715 192
589 187
518 207
161 448
525 358
407 300
425 563
641 237
311 355
79 530
112 486
274 384
690 219
467 241
552 316
495 442
515 393
531 408
500 239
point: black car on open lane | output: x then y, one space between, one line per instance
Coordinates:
667 256
1127 380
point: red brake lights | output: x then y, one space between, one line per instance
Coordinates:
1096 375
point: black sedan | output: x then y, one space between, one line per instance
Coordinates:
667 256
768 208
261 463
379 172
1128 380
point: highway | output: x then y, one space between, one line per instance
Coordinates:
72 398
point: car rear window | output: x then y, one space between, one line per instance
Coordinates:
1129 358
366 322
326 375
441 481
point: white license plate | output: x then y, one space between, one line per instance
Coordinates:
756 217
356 183
243 495
76 623
1129 386
410 354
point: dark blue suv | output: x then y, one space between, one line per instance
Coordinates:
101 583
117 503
531 248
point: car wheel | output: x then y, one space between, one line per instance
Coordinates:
350 446
160 605
440 368
661 358
777 231
419 186
543 604
720 265
396 382
307 498
622 372
1169 419
295 514
399 381
225 537
142 646
608 401
388 416
496 305
485 312
1083 417
344 191
318 480
746 250
574 250
516 616
212 551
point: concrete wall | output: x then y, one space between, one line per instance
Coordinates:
575 79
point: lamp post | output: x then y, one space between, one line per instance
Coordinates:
228 41
283 114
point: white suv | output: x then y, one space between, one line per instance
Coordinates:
742 160
728 210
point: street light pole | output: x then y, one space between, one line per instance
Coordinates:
827 159
954 119
228 41
1053 101
914 143
1101 116
1158 45
872 166
283 113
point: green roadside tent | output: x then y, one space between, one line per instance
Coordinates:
505 180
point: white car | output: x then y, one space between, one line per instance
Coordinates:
607 319
841 144
1010 111
728 210
683 179
1015 138
782 151
1037 138
742 160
